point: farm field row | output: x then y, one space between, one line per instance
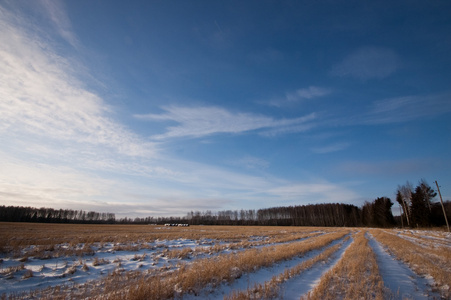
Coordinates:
221 262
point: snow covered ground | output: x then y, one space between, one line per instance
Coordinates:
26 273
20 274
293 289
401 281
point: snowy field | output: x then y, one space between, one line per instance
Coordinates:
221 262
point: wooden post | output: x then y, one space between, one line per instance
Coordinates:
443 207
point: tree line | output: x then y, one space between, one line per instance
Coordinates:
417 209
50 215
328 214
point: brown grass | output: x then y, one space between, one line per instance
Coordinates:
51 240
356 275
25 240
435 239
100 261
24 234
222 268
271 289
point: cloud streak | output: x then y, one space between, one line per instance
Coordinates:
300 95
385 168
408 108
195 122
368 63
330 148
60 20
319 192
41 96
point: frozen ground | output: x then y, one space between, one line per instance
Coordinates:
305 282
15 275
426 238
402 282
20 274
35 273
293 289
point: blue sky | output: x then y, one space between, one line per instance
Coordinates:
162 107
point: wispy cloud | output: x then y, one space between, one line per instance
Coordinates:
40 95
385 168
202 121
61 21
368 63
41 184
318 192
300 95
250 162
408 108
330 148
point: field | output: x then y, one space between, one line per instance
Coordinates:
50 261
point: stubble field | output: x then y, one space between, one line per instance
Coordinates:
62 261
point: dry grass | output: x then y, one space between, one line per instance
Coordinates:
28 274
51 240
435 239
100 261
271 288
435 262
46 241
356 275
23 234
222 268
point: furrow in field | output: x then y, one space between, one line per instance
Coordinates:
173 279
212 272
421 239
407 270
109 258
354 276
292 276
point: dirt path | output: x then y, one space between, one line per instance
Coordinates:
401 281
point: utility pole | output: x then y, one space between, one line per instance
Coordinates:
443 207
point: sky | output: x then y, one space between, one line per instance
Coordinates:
159 108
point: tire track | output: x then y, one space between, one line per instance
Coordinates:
399 279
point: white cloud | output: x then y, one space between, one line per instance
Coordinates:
300 95
60 20
41 96
27 183
203 121
368 63
60 141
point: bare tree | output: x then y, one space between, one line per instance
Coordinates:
405 196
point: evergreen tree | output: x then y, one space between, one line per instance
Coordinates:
428 193
382 211
419 210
